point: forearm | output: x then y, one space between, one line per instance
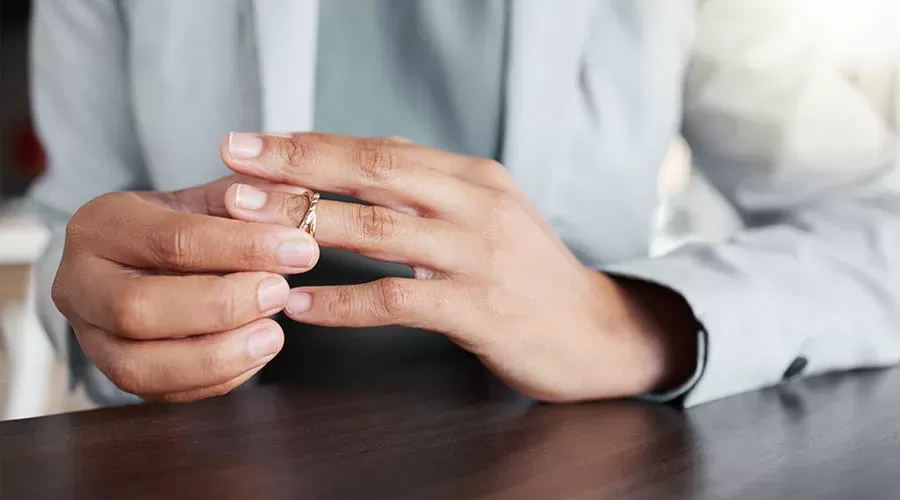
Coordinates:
821 283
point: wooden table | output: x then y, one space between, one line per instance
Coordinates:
831 437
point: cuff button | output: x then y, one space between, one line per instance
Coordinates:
795 369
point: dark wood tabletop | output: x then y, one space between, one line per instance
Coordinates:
830 437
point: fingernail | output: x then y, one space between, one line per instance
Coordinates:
272 293
296 253
248 197
245 146
264 343
298 302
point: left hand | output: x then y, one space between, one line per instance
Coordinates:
490 273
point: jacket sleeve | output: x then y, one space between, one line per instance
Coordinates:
814 279
82 109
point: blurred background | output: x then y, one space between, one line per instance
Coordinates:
862 37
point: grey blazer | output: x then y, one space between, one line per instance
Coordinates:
597 90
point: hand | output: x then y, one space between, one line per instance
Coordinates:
491 274
168 297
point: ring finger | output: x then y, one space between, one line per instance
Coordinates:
370 230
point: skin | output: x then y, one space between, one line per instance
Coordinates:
169 293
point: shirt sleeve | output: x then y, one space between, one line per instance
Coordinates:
810 166
82 109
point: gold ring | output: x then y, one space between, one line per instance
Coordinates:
309 218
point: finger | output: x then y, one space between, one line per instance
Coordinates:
209 198
144 307
387 301
480 171
206 392
368 169
178 365
370 230
125 228
251 204
483 172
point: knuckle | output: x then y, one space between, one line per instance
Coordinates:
295 152
212 365
129 311
497 175
227 310
393 297
99 203
75 229
58 292
293 207
375 163
174 246
94 220
79 225
374 222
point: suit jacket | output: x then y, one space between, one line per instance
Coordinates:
135 94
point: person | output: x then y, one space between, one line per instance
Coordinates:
506 152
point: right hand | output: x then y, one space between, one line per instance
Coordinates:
169 297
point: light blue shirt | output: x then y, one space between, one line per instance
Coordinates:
428 70
431 71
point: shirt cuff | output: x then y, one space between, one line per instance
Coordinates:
677 394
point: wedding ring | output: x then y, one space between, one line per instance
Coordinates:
309 218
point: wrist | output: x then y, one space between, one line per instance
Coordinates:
661 332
